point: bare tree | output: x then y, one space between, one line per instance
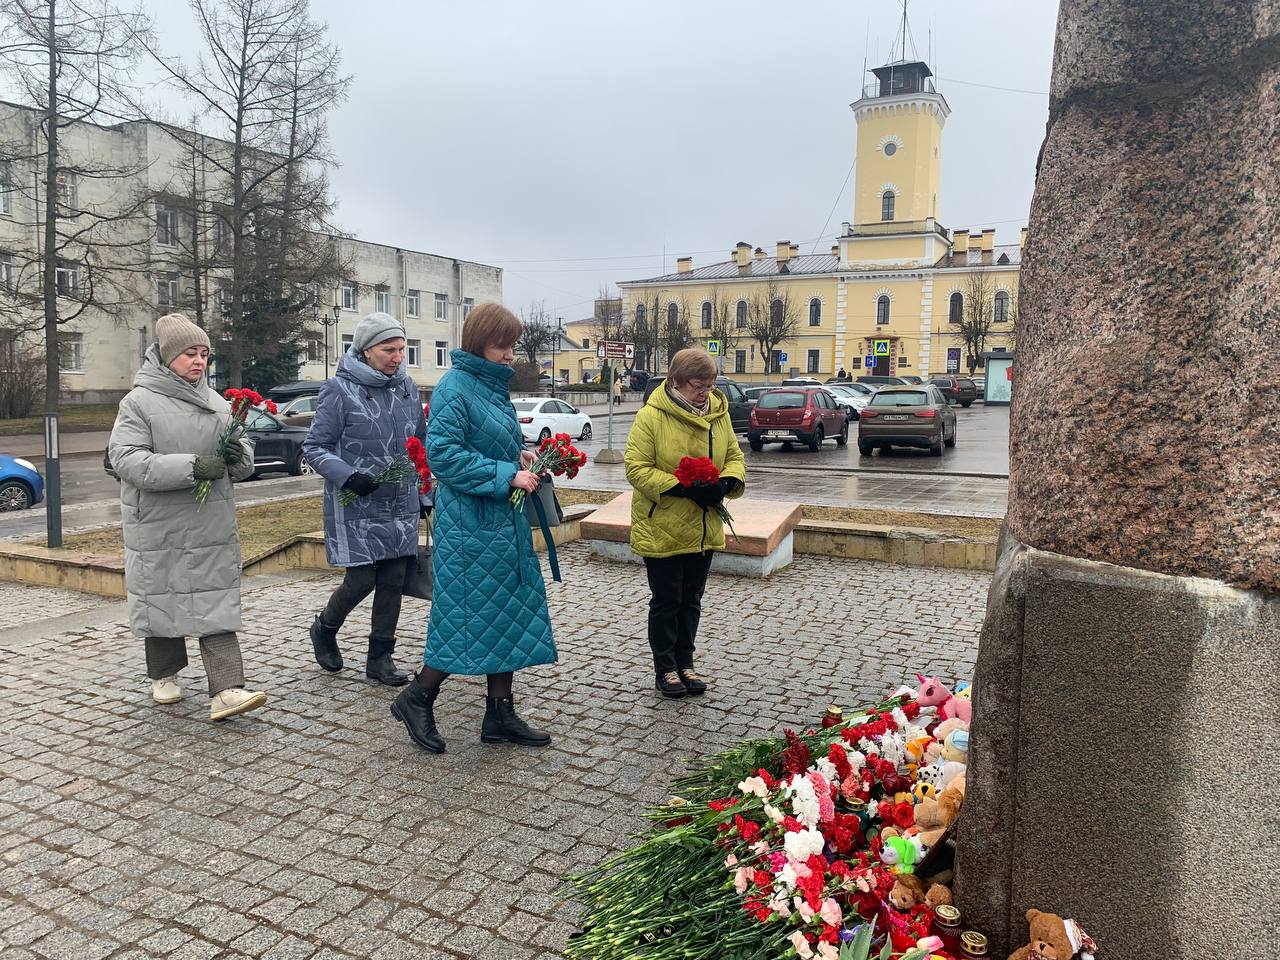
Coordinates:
676 333
646 332
265 80
977 316
724 323
772 320
73 60
540 332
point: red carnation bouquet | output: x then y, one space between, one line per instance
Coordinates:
556 455
418 457
702 472
242 401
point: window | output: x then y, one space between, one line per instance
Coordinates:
350 295
815 312
442 354
221 232
640 315
382 300
467 304
67 278
586 343
8 272
347 340
166 225
68 194
739 361
775 312
442 306
673 314
955 307
855 363
413 303
812 366
413 352
71 351
6 187
740 321
902 362
886 205
167 289
706 315
315 354
775 361
882 310
1002 306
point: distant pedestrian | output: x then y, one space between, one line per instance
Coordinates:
674 528
363 418
489 610
617 387
181 559
842 375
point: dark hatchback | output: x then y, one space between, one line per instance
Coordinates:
959 390
739 403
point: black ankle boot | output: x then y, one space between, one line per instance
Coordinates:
382 669
324 641
415 708
501 724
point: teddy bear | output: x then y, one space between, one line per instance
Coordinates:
1053 938
907 892
939 893
934 817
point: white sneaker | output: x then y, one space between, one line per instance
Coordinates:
234 700
166 690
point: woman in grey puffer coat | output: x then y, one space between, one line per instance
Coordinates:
363 418
182 559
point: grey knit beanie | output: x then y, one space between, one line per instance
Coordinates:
375 328
176 333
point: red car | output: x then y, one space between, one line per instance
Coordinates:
789 415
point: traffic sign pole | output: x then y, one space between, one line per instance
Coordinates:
612 351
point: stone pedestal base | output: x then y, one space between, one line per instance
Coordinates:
1123 760
742 564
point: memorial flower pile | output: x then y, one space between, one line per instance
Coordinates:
558 456
242 401
801 846
702 472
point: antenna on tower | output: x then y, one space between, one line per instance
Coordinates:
904 29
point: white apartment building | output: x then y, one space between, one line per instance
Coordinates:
101 352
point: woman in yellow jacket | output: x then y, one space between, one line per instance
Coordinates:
675 528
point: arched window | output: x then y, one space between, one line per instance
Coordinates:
706 314
815 312
1002 306
775 312
886 205
673 314
955 307
741 320
640 315
882 310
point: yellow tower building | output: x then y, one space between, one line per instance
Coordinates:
896 293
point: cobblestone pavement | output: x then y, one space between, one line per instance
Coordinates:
313 828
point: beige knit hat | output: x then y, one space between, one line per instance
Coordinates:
175 333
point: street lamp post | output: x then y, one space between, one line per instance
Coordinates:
326 322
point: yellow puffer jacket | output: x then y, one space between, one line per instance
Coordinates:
664 433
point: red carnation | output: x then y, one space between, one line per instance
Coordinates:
719 806
749 830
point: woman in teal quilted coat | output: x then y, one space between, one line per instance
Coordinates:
489 604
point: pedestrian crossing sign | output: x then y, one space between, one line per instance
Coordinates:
713 347
880 348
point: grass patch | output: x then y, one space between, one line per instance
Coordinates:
262 526
78 419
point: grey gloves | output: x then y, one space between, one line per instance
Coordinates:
209 468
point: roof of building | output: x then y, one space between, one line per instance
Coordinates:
817 263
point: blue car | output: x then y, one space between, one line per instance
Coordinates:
21 485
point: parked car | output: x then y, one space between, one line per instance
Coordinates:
801 382
282 393
21 485
980 383
546 380
911 379
883 381
740 403
907 417
277 446
959 390
755 393
843 401
636 379
859 394
540 417
805 415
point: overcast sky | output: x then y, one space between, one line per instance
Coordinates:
572 142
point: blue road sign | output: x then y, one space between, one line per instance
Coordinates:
782 358
871 361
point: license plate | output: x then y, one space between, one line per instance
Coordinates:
779 433
896 416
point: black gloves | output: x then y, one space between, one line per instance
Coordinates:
676 491
706 497
208 468
728 485
360 484
424 511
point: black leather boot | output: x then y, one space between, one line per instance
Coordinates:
502 725
324 641
380 667
415 708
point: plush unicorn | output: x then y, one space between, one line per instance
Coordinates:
933 693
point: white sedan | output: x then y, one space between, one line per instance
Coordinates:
540 417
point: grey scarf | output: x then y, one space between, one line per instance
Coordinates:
684 404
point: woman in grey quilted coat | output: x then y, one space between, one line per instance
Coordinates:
364 416
181 559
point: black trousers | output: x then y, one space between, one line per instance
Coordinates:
675 607
385 579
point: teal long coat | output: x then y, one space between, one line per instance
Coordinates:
489 607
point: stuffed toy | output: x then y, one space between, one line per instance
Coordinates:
938 894
901 854
956 746
932 693
907 892
935 816
1053 938
947 726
